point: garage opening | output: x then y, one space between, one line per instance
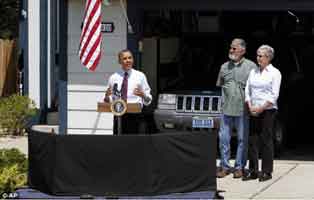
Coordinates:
183 50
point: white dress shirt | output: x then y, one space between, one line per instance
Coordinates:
263 86
135 79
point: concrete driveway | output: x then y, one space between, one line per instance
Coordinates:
293 176
291 180
18 142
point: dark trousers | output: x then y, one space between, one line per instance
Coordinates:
261 141
132 123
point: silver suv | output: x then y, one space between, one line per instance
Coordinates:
188 111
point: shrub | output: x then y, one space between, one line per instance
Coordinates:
9 157
11 179
15 113
9 17
13 170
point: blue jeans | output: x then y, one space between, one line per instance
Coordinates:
241 123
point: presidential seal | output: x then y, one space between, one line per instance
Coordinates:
118 107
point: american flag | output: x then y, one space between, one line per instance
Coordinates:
90 41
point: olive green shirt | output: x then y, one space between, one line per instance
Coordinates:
232 78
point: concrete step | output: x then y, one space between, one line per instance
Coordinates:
53 118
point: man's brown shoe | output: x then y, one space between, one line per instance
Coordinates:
222 173
237 173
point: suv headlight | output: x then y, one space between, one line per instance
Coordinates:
167 99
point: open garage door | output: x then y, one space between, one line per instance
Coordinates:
224 4
188 47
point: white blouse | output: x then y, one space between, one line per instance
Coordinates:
263 86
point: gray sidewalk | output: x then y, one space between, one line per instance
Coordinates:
292 179
18 142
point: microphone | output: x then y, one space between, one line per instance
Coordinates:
115 87
115 90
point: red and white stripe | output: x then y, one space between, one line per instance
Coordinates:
90 41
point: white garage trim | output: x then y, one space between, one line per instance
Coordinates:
34 51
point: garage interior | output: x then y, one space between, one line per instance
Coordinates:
196 43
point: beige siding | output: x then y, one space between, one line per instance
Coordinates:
90 120
75 103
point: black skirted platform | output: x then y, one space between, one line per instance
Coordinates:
27 193
126 165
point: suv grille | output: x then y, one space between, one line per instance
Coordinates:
188 103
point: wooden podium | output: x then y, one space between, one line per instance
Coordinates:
131 107
125 108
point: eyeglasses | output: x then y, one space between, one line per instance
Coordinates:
259 56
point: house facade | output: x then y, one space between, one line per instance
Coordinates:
53 75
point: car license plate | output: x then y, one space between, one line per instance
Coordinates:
202 122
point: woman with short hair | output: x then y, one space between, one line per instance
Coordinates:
261 94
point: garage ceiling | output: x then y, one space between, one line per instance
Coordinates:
277 5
